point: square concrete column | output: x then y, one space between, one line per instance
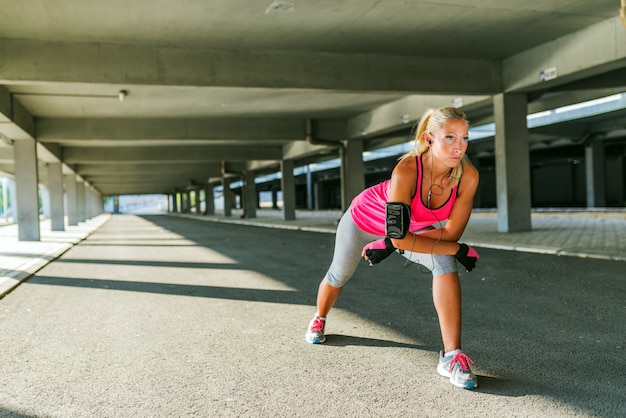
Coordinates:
209 200
72 199
44 202
96 203
227 195
621 178
55 189
595 174
181 202
288 185
88 201
80 200
8 189
250 199
309 189
196 193
174 202
26 181
352 171
184 202
318 196
512 163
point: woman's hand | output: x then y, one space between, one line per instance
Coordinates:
377 251
467 256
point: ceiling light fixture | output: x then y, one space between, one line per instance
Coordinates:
120 96
279 6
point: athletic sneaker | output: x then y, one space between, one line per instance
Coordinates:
315 333
456 366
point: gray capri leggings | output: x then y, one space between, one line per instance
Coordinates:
349 243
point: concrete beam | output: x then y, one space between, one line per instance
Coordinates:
16 122
132 169
7 168
259 166
589 52
180 180
6 154
81 62
303 149
168 154
109 189
66 130
49 154
401 114
5 105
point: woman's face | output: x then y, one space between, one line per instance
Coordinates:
449 143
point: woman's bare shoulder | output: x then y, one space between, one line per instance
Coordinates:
405 167
470 176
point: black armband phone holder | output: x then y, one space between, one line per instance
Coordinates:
398 219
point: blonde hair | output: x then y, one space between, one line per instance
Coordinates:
431 121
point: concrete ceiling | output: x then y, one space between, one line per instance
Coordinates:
234 82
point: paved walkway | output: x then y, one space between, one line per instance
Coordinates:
20 259
597 234
164 316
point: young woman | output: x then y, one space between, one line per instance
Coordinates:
433 183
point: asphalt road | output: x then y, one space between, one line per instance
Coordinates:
160 316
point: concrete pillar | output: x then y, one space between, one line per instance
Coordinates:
196 193
621 180
477 197
352 172
249 195
288 185
44 202
13 199
5 197
80 200
209 200
595 174
184 202
55 189
512 163
96 208
26 179
88 201
72 199
92 203
116 204
175 202
317 196
309 188
228 197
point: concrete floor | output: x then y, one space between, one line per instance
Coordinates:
165 316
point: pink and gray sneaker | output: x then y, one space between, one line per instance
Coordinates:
315 333
456 366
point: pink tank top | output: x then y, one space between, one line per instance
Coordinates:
368 208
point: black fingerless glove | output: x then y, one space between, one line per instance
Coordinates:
467 256
377 251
